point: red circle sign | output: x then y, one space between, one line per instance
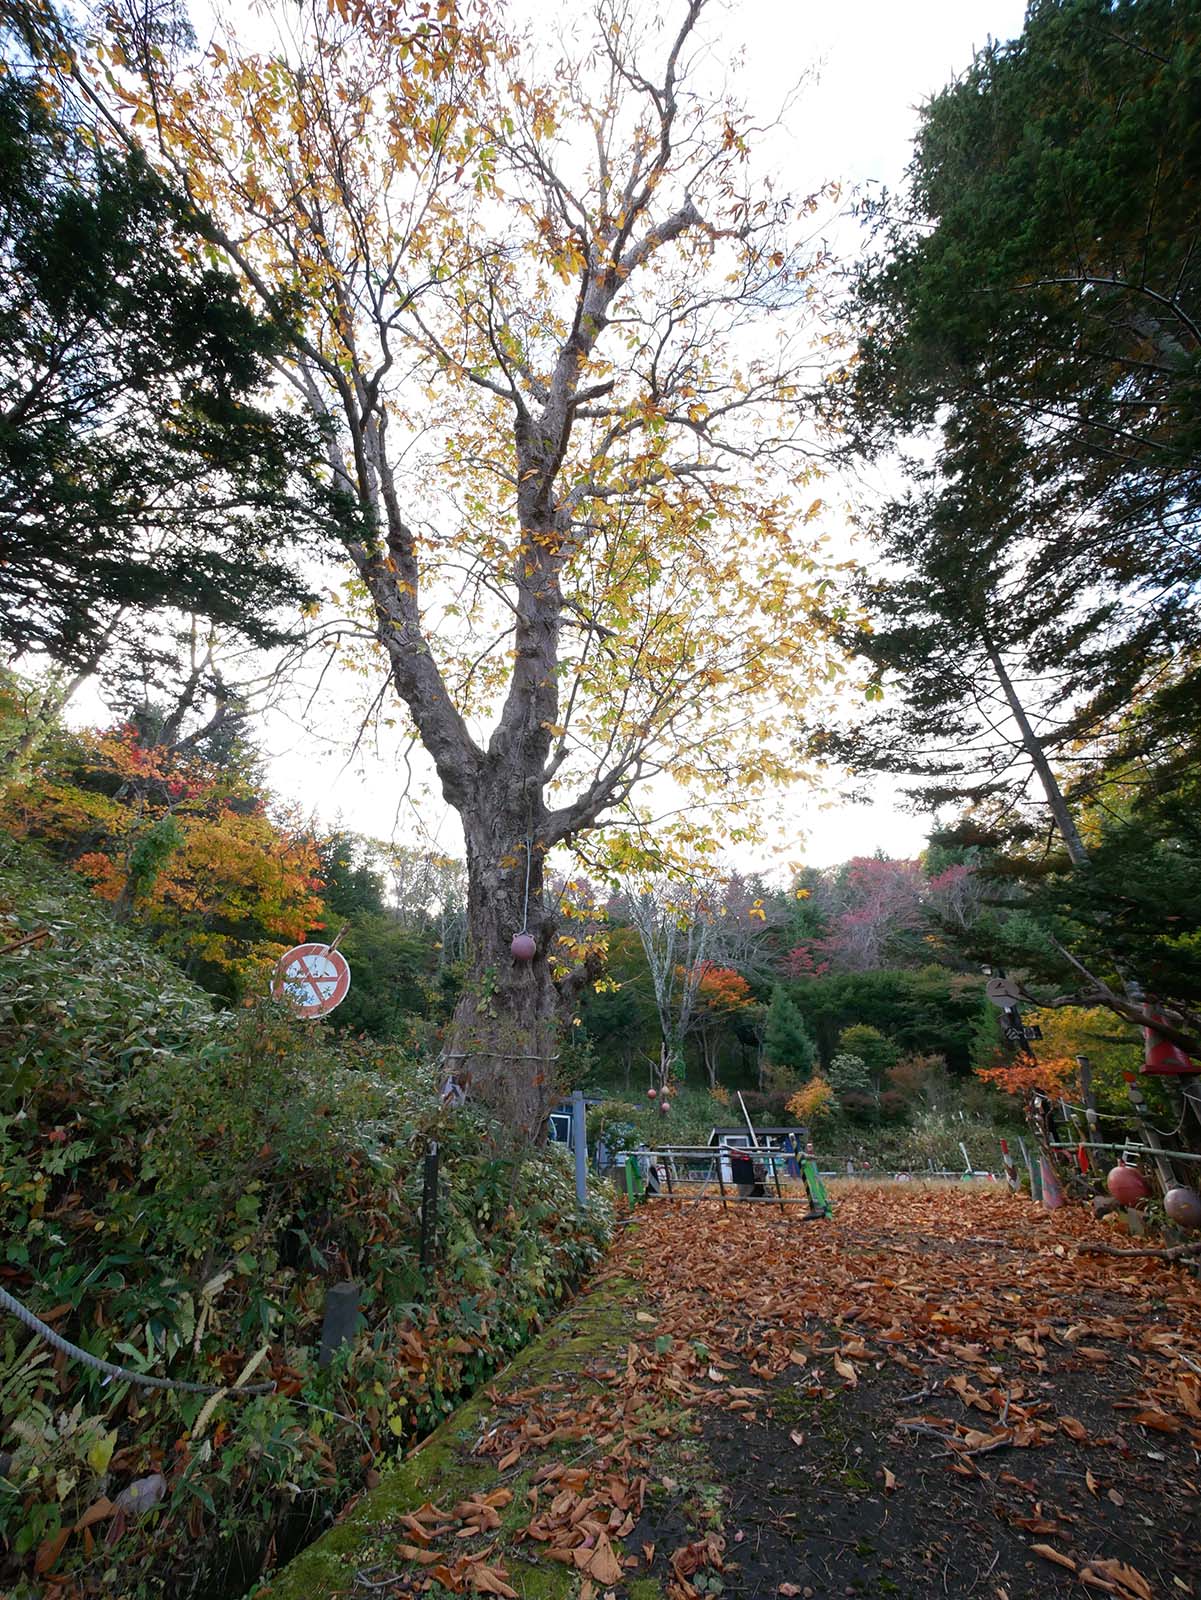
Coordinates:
312 979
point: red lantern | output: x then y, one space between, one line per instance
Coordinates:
1183 1207
1163 1059
524 946
1127 1184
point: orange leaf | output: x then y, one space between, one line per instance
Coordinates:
50 1549
1159 1420
1048 1553
96 1512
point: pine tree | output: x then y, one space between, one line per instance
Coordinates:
787 1042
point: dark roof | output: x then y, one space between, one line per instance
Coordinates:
741 1132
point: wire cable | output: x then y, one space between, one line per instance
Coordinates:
56 1342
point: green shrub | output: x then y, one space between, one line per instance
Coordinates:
180 1188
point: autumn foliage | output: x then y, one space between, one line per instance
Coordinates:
1059 1075
811 1102
192 852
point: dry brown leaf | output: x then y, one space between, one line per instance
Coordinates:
797 1438
1094 1580
1049 1553
1091 1482
890 1481
489 1580
846 1370
49 1550
1074 1428
602 1564
1128 1579
96 1512
1158 1420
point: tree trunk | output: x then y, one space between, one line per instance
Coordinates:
504 1041
709 1052
671 1051
1033 746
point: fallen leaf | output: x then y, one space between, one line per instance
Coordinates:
1091 1482
846 1370
602 1564
1049 1553
95 1513
789 1589
488 1580
1073 1427
797 1438
1159 1420
49 1550
890 1481
1127 1578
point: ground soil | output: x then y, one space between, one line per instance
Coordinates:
932 1393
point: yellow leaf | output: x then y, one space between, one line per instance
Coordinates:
101 1453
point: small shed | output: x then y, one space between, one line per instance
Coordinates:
560 1120
791 1139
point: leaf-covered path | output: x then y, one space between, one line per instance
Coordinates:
931 1394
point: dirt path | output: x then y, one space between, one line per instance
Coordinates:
932 1394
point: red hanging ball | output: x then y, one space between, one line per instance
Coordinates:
652 1094
1182 1206
665 1106
524 947
1127 1184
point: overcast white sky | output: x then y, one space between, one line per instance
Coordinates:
876 61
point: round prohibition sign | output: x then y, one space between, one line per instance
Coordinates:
312 979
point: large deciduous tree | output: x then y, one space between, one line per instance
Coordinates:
558 327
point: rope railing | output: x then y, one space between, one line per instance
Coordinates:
111 1370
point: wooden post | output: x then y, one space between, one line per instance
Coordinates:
579 1130
721 1182
341 1314
1142 1113
1011 1177
429 1210
1036 1188
1089 1098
